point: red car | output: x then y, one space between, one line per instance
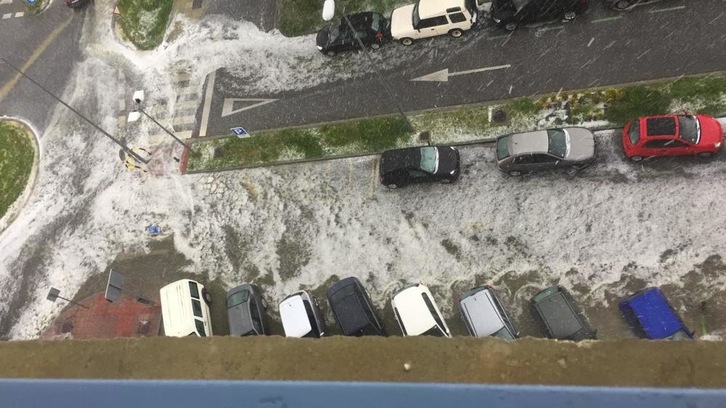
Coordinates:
672 135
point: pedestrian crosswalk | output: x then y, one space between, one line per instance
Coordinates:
11 9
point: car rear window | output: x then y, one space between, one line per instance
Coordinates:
558 143
237 298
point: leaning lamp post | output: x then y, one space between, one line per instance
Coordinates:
328 14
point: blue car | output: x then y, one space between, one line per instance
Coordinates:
650 316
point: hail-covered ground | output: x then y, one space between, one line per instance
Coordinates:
612 229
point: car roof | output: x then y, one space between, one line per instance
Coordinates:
433 8
661 126
400 159
654 313
482 314
294 318
528 142
238 316
558 315
349 311
412 310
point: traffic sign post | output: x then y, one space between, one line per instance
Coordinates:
239 132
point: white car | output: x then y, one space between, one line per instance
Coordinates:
301 316
417 313
429 18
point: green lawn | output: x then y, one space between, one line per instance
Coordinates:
16 161
144 21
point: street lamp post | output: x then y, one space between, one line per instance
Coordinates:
54 294
118 142
328 13
138 99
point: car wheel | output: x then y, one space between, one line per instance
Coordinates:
636 158
264 302
569 16
456 33
392 186
515 173
375 46
206 296
330 53
510 26
406 41
705 155
622 4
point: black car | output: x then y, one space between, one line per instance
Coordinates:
372 29
419 164
353 309
626 4
558 315
246 311
76 3
510 14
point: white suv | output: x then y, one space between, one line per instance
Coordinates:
429 18
417 313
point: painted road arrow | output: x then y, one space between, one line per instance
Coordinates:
444 74
228 106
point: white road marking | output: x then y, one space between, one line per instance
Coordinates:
667 9
228 106
591 41
6 2
6 16
444 74
609 45
510 89
207 105
20 14
602 20
641 55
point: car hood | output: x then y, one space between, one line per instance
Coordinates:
402 23
582 144
711 130
448 160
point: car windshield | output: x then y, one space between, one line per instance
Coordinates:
559 142
337 31
503 333
376 22
689 129
434 331
415 17
503 148
429 159
237 298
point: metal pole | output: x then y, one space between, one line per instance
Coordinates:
380 77
165 129
118 142
72 302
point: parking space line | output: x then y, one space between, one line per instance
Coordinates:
20 14
6 16
667 9
6 2
592 40
602 20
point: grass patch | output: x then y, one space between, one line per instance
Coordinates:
300 17
464 124
144 21
16 162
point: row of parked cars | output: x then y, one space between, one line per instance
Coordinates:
185 311
430 18
572 148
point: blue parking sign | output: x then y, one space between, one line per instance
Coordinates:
239 132
31 2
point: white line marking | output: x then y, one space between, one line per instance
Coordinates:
20 14
591 41
6 16
183 120
207 105
667 9
602 20
510 89
609 45
641 55
471 71
6 2
228 106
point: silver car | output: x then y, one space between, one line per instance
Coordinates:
572 148
484 314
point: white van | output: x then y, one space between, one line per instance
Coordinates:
429 18
185 309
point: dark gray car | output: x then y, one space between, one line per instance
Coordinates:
572 148
246 311
558 315
353 309
627 4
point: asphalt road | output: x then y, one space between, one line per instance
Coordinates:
603 47
45 47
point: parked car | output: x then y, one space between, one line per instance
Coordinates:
417 313
419 164
430 18
246 311
372 29
651 316
353 309
300 315
510 14
672 135
484 314
558 315
627 4
572 148
75 4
